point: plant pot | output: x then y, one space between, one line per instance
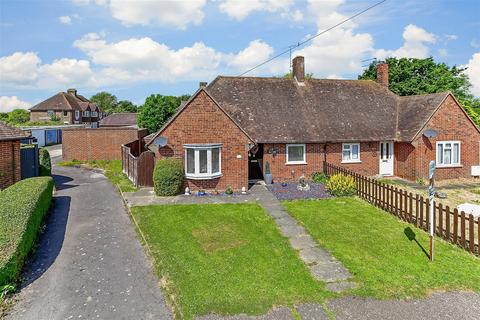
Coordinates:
268 178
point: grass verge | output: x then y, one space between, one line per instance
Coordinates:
224 259
112 169
386 256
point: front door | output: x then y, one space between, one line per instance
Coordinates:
386 158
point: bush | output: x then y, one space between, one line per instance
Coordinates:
319 177
341 186
168 177
45 162
23 207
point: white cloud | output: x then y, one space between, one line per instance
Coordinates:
473 72
451 37
256 52
415 44
20 68
297 16
65 72
239 10
65 20
7 103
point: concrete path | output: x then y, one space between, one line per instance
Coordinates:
322 264
89 263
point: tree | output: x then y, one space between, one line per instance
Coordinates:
409 76
18 116
156 111
105 101
125 106
3 116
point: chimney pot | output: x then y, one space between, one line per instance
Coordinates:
299 68
72 91
382 74
203 84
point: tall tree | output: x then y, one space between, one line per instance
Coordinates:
156 111
125 106
18 116
409 76
105 101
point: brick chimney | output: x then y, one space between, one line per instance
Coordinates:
72 91
299 68
382 74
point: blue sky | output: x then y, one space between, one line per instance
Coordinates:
133 49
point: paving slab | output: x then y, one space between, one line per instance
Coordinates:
281 313
315 255
311 311
330 271
302 242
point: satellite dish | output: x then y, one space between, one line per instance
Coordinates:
160 141
430 133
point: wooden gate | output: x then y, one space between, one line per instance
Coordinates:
139 169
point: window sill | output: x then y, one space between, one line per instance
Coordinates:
449 166
205 177
351 161
295 163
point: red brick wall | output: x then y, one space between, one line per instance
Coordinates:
451 123
405 160
203 122
369 154
43 116
9 163
97 144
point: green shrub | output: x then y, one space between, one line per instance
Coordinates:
23 207
45 162
319 177
341 186
229 190
168 177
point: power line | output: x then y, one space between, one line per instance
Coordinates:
313 37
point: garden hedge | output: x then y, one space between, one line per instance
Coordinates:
45 162
168 177
23 207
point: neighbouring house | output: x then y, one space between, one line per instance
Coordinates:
69 107
120 120
10 160
47 135
230 129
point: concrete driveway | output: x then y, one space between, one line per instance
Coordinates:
89 263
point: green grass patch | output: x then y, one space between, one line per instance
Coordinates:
22 209
224 259
382 252
475 190
112 168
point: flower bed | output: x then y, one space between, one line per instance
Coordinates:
289 191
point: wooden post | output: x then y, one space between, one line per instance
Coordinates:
471 233
462 230
447 223
455 226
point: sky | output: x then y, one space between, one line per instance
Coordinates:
136 48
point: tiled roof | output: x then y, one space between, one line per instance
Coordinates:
64 101
8 132
119 119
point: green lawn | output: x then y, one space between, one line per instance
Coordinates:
224 259
112 168
375 247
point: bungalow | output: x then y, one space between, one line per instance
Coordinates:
230 129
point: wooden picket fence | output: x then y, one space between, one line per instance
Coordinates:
451 225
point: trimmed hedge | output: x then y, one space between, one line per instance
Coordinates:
168 177
45 162
23 207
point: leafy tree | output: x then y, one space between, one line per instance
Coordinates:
3 116
125 106
18 116
156 111
105 101
409 76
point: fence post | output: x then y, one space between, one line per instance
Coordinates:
455 226
471 233
462 227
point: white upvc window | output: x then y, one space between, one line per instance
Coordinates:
296 154
203 161
94 113
77 114
86 113
448 153
50 113
350 152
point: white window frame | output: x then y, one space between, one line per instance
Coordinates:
443 143
209 174
304 161
94 114
350 148
77 114
50 113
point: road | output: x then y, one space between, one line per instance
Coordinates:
89 263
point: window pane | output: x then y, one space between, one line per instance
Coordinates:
203 161
346 155
215 160
190 161
295 153
447 156
456 154
440 153
355 151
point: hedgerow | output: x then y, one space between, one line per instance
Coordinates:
168 177
23 207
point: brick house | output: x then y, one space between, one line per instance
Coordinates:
230 129
69 107
10 166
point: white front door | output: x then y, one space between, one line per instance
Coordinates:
386 158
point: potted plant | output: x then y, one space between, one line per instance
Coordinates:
268 175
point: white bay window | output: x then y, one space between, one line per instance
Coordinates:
448 153
203 161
